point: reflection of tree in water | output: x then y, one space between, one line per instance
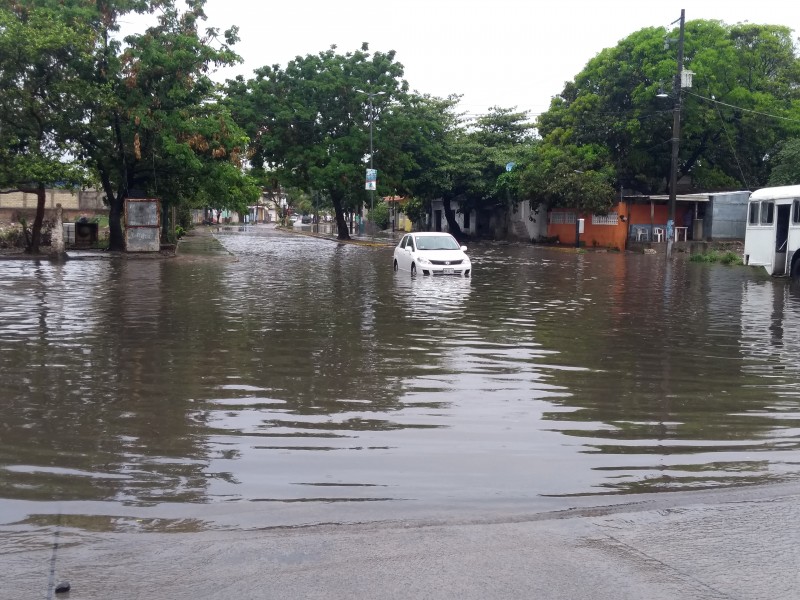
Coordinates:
668 386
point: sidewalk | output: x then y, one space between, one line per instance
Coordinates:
380 238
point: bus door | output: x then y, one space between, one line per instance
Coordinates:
781 238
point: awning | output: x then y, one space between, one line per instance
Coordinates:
665 198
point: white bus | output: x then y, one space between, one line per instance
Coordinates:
773 230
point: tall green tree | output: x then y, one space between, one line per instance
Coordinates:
421 141
497 141
576 177
785 165
309 123
41 94
745 99
456 159
156 126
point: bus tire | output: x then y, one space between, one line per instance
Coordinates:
795 270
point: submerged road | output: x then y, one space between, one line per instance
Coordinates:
270 415
738 544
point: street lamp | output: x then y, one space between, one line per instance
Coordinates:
676 135
371 95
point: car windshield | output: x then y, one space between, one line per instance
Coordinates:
436 242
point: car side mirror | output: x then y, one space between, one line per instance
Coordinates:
463 248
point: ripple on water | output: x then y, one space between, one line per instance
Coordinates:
308 373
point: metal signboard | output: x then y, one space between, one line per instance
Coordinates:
142 225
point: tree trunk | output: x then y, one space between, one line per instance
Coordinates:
116 240
36 228
450 216
341 223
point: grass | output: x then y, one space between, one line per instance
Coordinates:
726 258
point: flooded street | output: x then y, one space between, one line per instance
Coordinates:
305 382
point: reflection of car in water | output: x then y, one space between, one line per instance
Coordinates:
433 299
431 253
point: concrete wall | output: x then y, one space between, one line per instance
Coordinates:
594 235
437 205
68 199
526 224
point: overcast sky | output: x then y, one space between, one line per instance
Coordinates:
494 52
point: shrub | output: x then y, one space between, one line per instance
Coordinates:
12 238
726 258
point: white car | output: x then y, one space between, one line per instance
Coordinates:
431 253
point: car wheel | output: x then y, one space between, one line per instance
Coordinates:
413 270
395 266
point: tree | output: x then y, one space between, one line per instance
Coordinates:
156 126
745 76
421 142
786 164
42 93
577 177
309 124
497 140
456 159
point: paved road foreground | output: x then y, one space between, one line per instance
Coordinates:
729 544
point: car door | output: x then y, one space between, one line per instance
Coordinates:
408 253
401 256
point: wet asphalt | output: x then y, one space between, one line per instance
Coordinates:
734 544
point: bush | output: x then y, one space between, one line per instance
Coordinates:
19 236
726 258
12 238
380 215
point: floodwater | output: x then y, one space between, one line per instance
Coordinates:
306 382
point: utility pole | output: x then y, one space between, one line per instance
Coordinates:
370 96
371 192
676 137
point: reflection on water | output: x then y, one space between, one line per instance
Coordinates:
160 394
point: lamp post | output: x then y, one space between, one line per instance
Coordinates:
370 96
676 136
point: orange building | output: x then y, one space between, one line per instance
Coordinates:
637 219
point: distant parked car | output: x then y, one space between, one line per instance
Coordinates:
306 219
431 253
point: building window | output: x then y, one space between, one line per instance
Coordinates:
562 218
466 220
611 218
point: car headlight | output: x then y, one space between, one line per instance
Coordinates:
424 261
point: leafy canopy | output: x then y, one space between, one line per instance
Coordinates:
745 76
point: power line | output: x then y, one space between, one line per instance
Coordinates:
755 112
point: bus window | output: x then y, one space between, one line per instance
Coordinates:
753 218
796 212
767 213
